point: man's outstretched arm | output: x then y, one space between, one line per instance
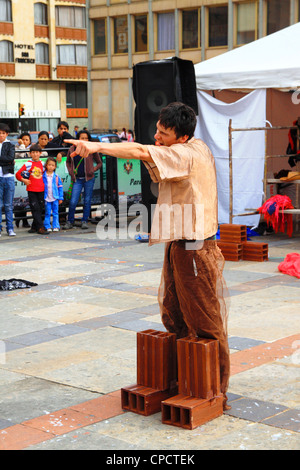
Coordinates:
128 150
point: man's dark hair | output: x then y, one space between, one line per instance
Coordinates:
63 123
4 127
179 117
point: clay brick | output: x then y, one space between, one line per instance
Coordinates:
144 400
231 251
233 233
190 412
255 251
156 373
198 367
156 359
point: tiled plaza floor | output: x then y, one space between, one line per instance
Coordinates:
68 345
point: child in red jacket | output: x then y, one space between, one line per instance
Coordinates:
31 174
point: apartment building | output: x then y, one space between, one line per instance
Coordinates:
125 32
43 63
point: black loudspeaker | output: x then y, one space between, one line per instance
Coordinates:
157 83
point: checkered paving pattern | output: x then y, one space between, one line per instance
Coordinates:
68 345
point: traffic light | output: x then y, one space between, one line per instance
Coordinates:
21 110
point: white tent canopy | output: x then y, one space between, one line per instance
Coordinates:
269 62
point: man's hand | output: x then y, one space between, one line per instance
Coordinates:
126 150
83 148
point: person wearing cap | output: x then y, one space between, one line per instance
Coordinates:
192 290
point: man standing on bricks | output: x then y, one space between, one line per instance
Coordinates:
191 293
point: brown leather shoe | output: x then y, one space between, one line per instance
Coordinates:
43 231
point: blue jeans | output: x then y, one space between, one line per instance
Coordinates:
79 185
7 192
51 208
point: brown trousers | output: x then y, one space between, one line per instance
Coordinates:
191 296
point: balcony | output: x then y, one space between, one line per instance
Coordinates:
70 33
42 71
72 71
7 69
6 28
41 31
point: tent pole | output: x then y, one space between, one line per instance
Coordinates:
230 171
265 169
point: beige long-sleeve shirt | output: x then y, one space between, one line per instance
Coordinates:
187 205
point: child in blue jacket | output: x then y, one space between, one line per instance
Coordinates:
54 195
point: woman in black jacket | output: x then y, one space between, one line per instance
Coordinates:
7 179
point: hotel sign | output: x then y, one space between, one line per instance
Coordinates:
22 53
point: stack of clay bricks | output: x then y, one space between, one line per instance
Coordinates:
188 403
199 397
156 373
234 245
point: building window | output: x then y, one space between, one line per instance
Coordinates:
100 36
246 23
76 95
40 14
218 26
120 35
190 29
72 54
165 31
70 17
5 10
141 33
278 15
6 51
42 53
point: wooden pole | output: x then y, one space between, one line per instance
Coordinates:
230 172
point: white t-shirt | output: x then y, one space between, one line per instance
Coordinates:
50 197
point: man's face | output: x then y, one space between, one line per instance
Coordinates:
167 136
62 129
3 136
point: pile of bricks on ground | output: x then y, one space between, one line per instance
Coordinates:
180 378
234 245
